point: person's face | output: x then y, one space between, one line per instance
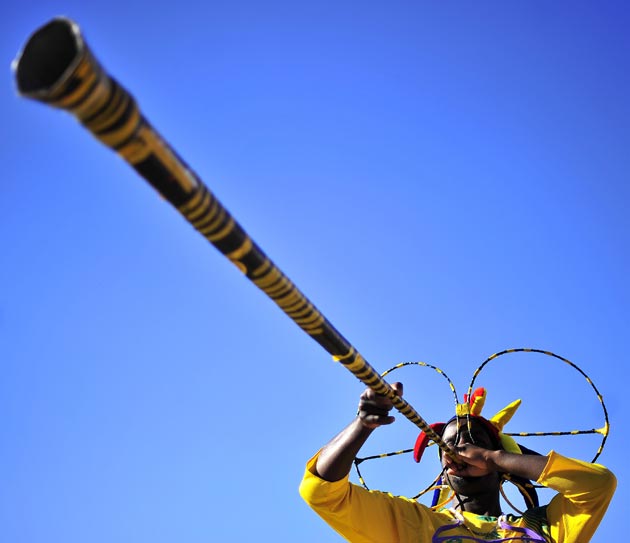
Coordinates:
458 433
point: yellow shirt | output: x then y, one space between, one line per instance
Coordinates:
362 516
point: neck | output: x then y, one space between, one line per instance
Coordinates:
479 505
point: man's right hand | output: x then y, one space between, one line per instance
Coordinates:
374 408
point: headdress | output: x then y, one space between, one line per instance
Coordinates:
471 410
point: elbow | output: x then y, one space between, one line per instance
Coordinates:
607 483
610 481
310 491
304 493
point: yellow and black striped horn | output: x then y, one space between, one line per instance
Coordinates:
56 67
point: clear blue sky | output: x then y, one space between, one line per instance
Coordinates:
443 179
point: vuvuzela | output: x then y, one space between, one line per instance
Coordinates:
56 67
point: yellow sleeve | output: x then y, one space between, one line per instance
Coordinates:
363 516
585 490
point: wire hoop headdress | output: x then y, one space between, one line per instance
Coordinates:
442 493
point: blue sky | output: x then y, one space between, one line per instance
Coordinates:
443 180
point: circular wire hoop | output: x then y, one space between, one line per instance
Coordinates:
358 460
604 430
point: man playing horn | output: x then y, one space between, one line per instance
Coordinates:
484 455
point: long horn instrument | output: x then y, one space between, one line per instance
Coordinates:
57 67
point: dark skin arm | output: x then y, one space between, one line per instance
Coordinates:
336 457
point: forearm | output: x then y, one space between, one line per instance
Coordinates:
336 457
528 466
